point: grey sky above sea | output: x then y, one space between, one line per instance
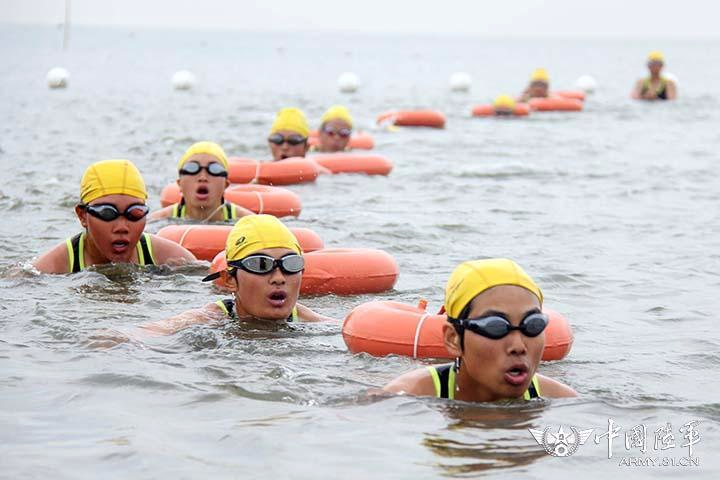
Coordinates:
621 18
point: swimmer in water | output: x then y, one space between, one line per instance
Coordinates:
113 212
264 270
203 178
335 130
504 105
539 86
495 331
289 134
655 87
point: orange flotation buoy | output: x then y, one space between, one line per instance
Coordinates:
413 118
556 104
283 172
358 141
206 241
576 94
342 271
276 201
354 163
393 328
520 110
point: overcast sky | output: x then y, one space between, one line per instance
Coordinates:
645 18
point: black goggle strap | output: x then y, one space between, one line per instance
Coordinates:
459 326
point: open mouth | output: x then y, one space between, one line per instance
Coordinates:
120 246
202 192
283 156
516 375
277 299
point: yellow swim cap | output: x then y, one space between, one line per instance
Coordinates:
209 148
337 112
540 75
258 232
472 278
292 119
656 56
111 177
504 101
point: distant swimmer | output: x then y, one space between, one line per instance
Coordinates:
289 134
495 331
335 130
539 86
264 266
112 211
504 105
203 178
655 87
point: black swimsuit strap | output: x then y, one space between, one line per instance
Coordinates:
444 376
75 242
229 306
144 239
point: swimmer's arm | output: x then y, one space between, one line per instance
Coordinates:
553 389
671 90
524 97
417 382
242 211
170 326
168 252
637 91
54 260
307 315
162 213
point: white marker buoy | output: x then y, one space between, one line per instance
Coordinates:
183 80
57 78
460 82
348 82
586 83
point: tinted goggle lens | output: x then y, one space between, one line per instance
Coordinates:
342 132
293 140
193 168
108 212
262 264
498 327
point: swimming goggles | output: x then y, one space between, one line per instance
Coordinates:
213 168
108 212
496 327
341 132
293 140
264 264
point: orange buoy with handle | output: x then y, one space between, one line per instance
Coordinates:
283 172
206 241
413 118
488 110
576 94
276 201
342 271
393 328
354 163
358 141
555 104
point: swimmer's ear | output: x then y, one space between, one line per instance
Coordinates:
451 338
228 280
227 182
178 181
307 145
82 215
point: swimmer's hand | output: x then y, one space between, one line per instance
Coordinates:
105 339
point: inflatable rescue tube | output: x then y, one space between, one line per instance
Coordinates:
576 94
520 110
283 172
276 201
393 328
342 271
358 141
354 163
556 104
206 241
413 118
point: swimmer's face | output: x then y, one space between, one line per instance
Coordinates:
655 67
286 150
334 135
538 89
115 240
202 190
271 296
501 368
